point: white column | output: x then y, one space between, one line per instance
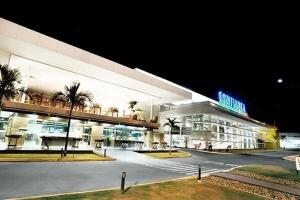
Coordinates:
151 110
180 129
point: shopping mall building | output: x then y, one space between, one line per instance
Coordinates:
47 65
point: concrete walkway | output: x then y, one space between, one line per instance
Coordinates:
261 183
141 159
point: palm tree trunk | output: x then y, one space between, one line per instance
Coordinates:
67 136
170 135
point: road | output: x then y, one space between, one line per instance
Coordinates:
222 160
41 178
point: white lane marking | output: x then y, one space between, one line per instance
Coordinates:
231 165
174 166
220 163
169 169
206 172
217 163
181 170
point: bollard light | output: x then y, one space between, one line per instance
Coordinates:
123 182
61 153
199 173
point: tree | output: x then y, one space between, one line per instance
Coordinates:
172 123
131 105
72 97
8 79
279 137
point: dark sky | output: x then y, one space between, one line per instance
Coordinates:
243 55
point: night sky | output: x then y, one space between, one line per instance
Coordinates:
241 55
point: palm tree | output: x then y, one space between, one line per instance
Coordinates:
283 138
131 106
72 97
8 79
172 123
277 137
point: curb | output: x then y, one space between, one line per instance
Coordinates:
24 161
113 188
117 188
214 152
188 155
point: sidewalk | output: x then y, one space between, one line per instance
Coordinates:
261 183
291 158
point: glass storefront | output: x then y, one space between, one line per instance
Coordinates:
201 130
33 127
114 135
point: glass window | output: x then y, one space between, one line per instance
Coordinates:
222 136
32 127
228 137
234 137
213 136
198 118
108 132
213 119
214 128
198 126
228 130
221 129
245 144
234 124
206 127
201 127
4 122
188 119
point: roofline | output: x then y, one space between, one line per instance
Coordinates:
23 34
245 117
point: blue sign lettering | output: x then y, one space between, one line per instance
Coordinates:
231 103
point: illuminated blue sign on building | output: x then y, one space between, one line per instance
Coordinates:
231 103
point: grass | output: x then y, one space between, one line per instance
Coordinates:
271 171
162 155
43 157
185 189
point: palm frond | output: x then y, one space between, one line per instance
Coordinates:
132 104
72 96
167 124
58 96
86 95
28 92
8 79
10 93
171 122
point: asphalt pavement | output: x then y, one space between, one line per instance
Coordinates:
212 159
23 179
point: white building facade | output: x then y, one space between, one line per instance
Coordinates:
289 140
47 65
